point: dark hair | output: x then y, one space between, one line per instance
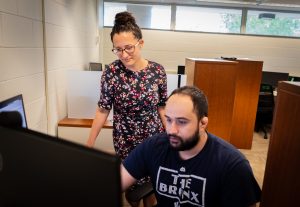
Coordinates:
125 22
198 98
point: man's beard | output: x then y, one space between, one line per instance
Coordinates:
187 144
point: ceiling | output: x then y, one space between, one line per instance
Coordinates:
281 4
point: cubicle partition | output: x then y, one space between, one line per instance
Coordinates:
83 92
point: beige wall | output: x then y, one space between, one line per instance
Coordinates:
22 57
171 48
71 42
36 66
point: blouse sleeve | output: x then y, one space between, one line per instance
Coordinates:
106 89
162 86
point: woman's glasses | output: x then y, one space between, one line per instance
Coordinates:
128 49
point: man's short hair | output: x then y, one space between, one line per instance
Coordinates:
198 98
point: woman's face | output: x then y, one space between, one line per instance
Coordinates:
127 48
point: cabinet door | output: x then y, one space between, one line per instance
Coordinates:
281 181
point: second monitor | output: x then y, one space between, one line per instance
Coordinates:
272 78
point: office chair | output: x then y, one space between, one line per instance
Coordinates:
265 108
140 192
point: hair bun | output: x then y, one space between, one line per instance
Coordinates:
123 18
125 22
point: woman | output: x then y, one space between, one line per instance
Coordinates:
136 88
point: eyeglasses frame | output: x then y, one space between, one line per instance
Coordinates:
120 51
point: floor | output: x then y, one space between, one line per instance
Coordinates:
257 157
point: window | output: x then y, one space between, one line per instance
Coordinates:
273 23
110 10
147 16
208 19
235 20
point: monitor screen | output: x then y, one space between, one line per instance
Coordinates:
40 170
272 78
95 66
15 104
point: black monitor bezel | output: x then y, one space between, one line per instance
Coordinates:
14 190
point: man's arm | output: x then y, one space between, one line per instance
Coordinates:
126 179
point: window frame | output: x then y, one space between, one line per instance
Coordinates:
244 9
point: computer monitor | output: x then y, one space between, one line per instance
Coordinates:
272 78
294 78
14 104
180 69
40 170
95 66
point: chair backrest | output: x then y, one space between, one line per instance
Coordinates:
265 87
266 97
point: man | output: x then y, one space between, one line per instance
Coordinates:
189 166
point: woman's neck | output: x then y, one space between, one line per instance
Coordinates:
140 65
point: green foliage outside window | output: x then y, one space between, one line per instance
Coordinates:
232 22
277 27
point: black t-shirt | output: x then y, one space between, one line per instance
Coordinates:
218 176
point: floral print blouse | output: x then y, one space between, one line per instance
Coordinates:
135 98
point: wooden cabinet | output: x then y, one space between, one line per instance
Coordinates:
281 181
232 89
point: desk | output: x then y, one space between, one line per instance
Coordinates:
77 130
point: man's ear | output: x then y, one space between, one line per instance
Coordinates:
203 122
141 43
